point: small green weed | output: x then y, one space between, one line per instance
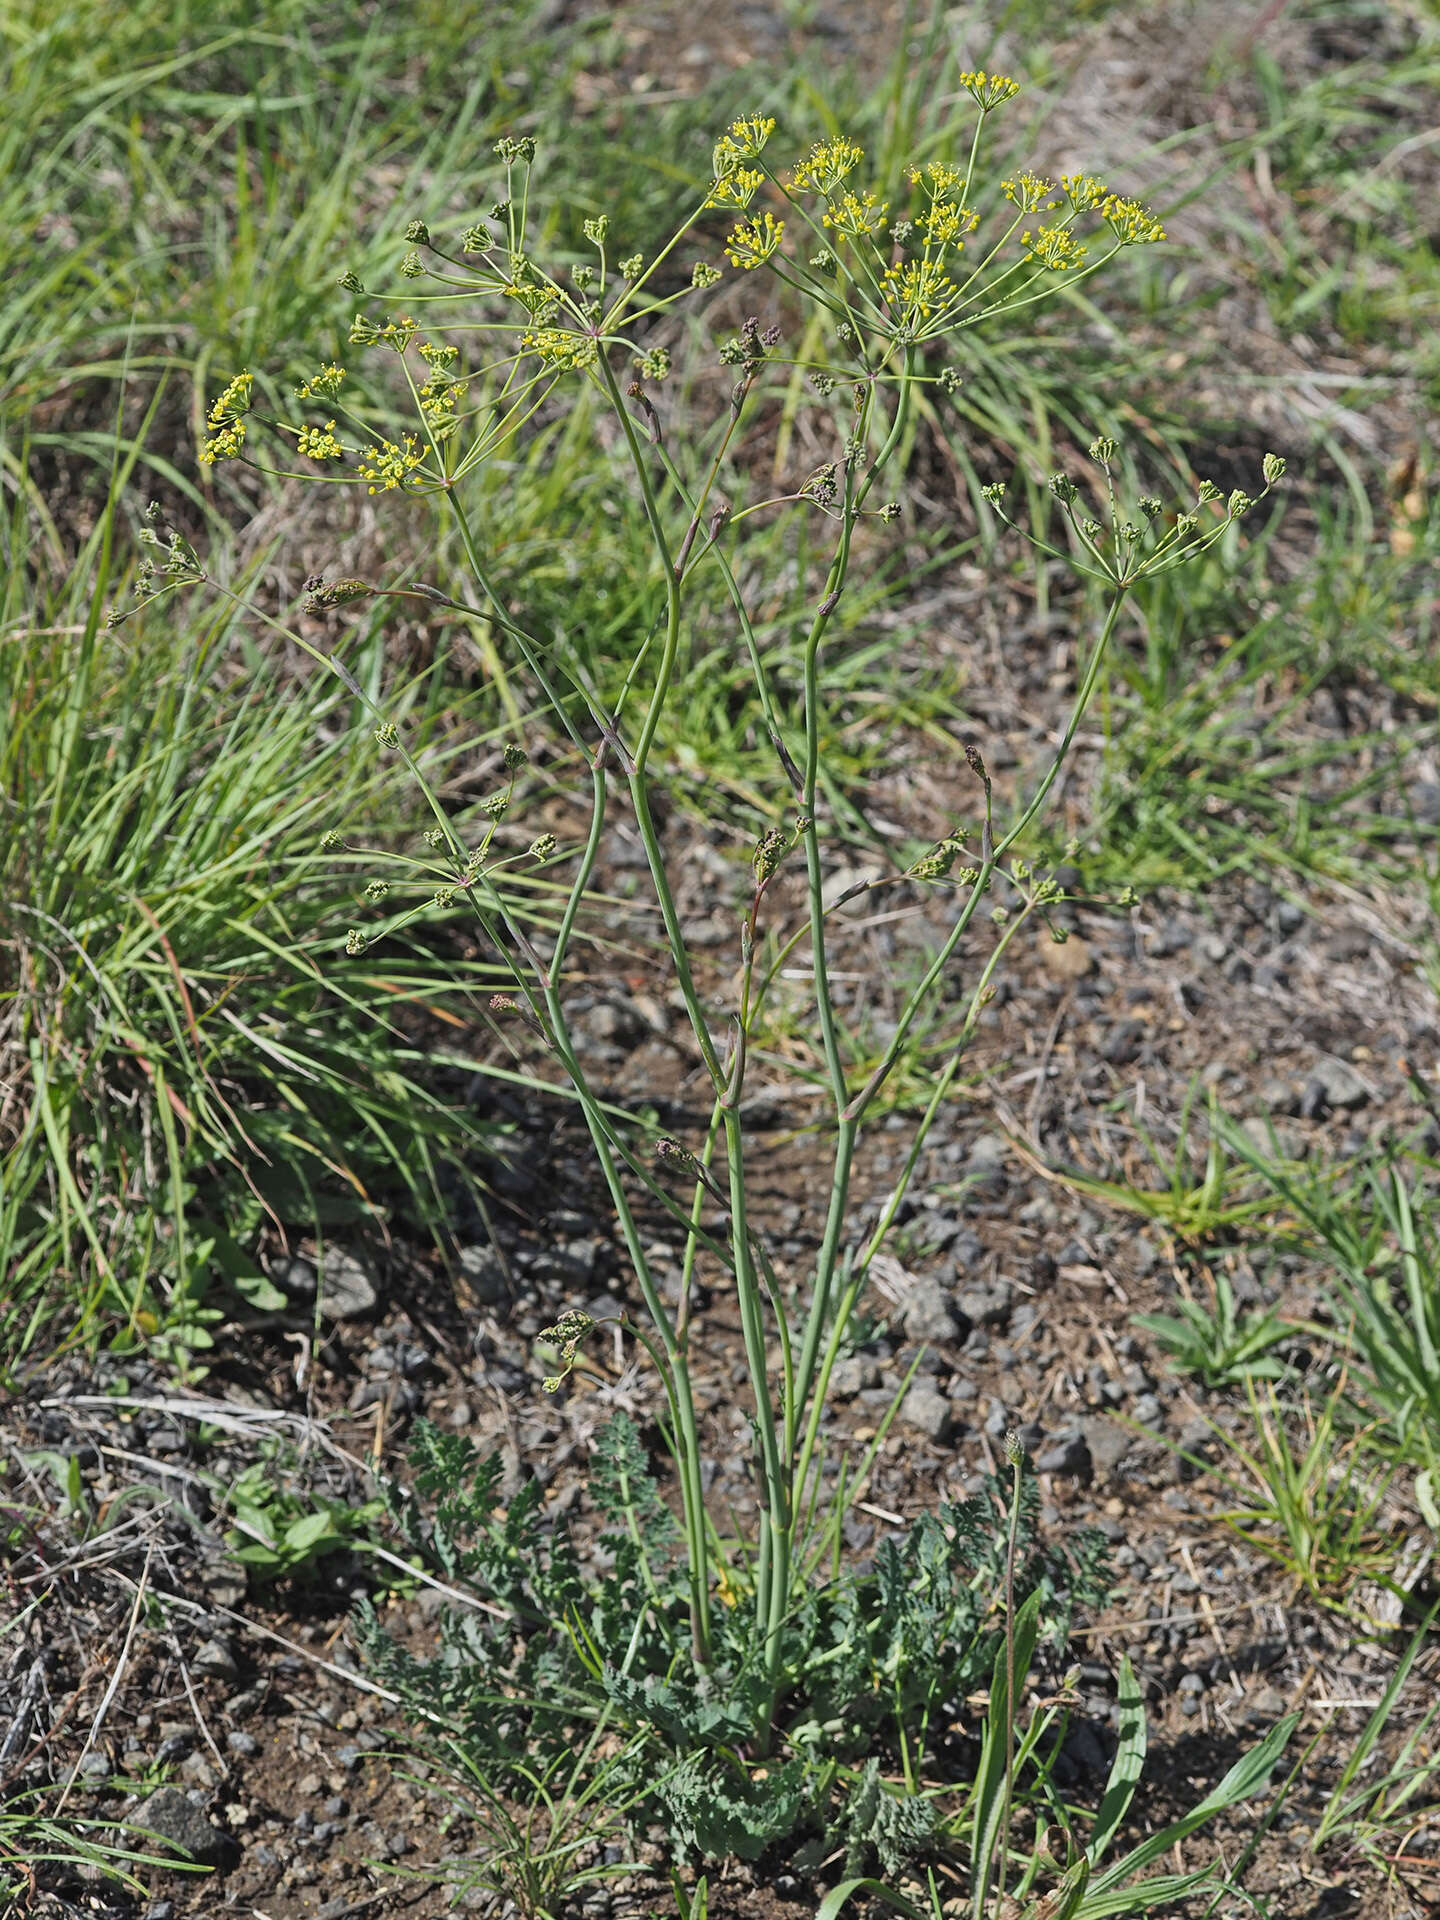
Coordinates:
1309 1494
869 1659
278 1533
1221 1345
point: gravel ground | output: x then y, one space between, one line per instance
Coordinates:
236 1721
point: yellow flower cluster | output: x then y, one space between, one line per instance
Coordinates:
857 215
748 134
946 224
741 141
559 348
826 165
224 444
939 176
226 417
1083 191
323 385
234 400
918 286
1027 191
736 189
1054 247
989 90
319 443
1132 224
388 466
752 242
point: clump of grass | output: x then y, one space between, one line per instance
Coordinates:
186 1052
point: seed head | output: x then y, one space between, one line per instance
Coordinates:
336 594
354 942
542 848
768 854
671 1154
1014 1451
1273 468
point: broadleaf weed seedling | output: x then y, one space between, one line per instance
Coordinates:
762 1687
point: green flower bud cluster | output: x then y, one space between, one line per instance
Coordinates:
565 1337
936 864
1124 549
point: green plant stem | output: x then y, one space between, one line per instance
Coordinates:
677 1376
1017 1467
848 1130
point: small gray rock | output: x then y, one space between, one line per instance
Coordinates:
987 1306
349 1288
852 1374
1108 1442
1069 1455
926 1408
989 1156
197 1770
1335 1085
169 1813
245 1745
483 1274
929 1313
1278 1096
216 1660
295 1278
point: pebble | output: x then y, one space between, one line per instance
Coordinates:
1070 1455
245 1745
1068 959
926 1408
172 1815
928 1313
216 1660
484 1275
851 1375
1332 1086
349 1288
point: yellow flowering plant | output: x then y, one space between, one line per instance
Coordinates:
489 337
